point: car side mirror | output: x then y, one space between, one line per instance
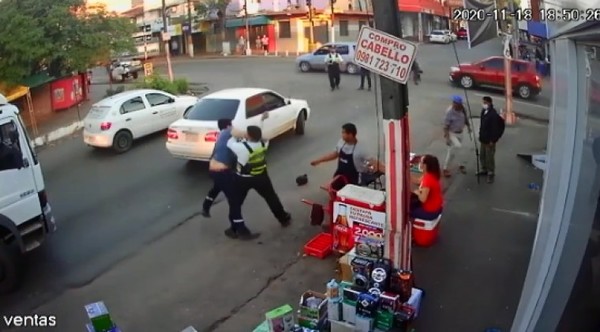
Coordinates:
288 102
171 100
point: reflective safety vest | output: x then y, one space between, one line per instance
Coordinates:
257 161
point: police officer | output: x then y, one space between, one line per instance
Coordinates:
221 154
333 60
252 173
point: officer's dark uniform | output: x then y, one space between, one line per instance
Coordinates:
253 175
222 154
333 61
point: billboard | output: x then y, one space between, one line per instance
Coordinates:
481 27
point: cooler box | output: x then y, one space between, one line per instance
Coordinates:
425 232
363 197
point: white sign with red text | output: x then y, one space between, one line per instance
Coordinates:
384 54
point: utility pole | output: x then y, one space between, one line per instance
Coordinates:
247 50
394 105
332 3
190 42
311 20
509 115
166 40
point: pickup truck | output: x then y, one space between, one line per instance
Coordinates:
125 68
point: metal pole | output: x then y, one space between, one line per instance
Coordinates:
332 3
166 41
247 50
190 41
311 19
394 106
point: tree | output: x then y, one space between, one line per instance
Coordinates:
214 9
60 36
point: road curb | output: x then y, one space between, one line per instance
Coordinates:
57 134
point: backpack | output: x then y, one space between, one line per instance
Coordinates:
501 126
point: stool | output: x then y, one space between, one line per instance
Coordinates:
425 232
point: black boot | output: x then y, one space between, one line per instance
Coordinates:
244 234
206 207
286 220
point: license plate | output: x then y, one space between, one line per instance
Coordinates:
191 137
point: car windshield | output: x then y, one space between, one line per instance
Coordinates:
98 112
435 32
209 109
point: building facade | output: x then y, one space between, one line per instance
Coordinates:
562 287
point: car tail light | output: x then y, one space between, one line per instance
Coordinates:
211 136
105 126
172 134
537 79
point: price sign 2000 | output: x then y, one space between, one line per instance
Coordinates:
368 232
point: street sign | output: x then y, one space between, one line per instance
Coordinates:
384 54
148 69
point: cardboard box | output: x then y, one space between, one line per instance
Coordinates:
338 326
280 319
344 267
90 328
364 324
318 313
349 312
99 317
384 320
263 327
415 300
334 310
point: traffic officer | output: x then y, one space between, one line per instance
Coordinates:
333 60
252 173
221 169
221 154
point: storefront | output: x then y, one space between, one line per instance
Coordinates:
420 17
562 288
258 26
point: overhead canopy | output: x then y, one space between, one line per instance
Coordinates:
537 29
241 22
13 93
36 80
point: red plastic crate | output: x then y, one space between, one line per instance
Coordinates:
319 246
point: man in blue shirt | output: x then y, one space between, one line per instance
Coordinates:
221 168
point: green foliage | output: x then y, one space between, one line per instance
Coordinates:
111 91
60 36
208 9
177 87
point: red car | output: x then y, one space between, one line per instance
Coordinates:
461 33
490 73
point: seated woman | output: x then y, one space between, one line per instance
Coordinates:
427 202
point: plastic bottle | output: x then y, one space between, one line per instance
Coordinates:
333 289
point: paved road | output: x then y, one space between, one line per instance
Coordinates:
111 207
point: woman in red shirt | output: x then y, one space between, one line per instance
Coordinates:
427 202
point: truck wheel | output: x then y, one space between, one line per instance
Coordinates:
9 269
135 75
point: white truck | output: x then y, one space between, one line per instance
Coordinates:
25 215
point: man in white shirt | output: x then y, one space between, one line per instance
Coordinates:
333 60
252 174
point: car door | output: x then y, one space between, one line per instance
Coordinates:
135 115
163 109
317 60
517 70
18 192
280 117
491 72
254 109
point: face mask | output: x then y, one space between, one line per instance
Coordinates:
486 106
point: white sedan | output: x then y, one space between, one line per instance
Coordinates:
119 119
193 137
439 36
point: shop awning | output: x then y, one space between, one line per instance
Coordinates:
36 80
241 22
537 29
13 93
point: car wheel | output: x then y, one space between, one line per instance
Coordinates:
352 69
304 66
466 81
524 91
9 269
122 141
300 123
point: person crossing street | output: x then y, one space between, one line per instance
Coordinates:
365 74
252 174
333 61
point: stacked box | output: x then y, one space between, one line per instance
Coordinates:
384 320
280 319
99 317
312 318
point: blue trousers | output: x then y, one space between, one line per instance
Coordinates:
225 180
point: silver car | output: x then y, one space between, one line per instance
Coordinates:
315 61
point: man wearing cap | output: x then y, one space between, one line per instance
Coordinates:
455 122
251 173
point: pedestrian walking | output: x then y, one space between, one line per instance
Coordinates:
224 155
265 44
353 159
490 131
455 123
258 43
333 61
416 72
252 174
242 45
365 74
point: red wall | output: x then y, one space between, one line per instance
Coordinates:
423 6
67 92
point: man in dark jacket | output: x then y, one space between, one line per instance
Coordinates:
490 131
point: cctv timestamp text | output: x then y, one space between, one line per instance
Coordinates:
527 14
570 15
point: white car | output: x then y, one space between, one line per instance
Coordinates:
439 36
119 119
451 34
194 136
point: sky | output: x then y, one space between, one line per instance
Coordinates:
115 5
